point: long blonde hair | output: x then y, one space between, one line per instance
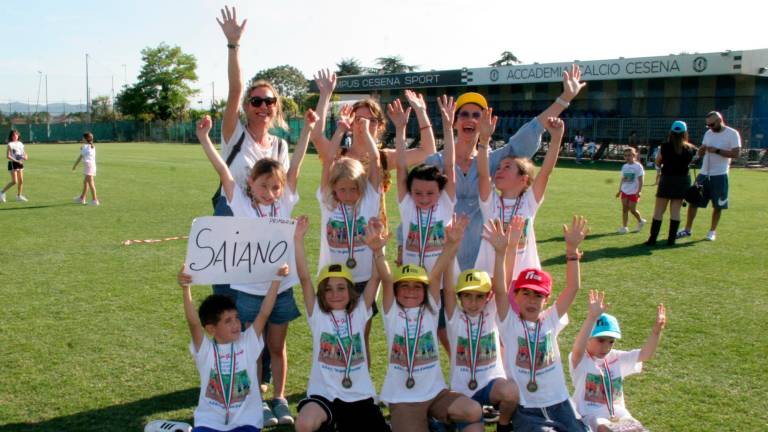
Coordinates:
279 119
344 168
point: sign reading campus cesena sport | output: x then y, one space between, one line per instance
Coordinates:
367 83
646 67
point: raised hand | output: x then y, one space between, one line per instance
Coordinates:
576 233
597 303
661 319
310 118
325 81
283 271
447 108
376 235
229 25
397 115
556 127
184 279
572 83
415 100
204 126
346 118
302 225
493 232
487 124
454 232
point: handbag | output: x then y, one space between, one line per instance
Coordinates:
695 194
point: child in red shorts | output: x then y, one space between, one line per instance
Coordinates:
629 190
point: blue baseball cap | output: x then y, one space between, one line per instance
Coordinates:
679 126
607 326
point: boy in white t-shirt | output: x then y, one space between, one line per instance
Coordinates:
630 188
531 351
226 362
598 370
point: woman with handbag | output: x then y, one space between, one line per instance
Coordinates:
673 158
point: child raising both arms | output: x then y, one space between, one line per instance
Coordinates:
532 354
226 360
340 395
598 370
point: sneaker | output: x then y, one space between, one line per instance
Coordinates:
94 203
166 426
711 236
683 233
2 197
78 200
21 198
490 414
282 412
640 225
622 230
269 418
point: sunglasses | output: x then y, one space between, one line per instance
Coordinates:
711 125
256 101
467 114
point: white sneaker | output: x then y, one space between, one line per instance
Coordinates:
21 198
79 200
94 203
640 225
622 230
2 197
711 236
167 426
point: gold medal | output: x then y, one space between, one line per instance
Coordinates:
532 386
346 382
410 382
472 384
351 263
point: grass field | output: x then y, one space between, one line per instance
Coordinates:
93 335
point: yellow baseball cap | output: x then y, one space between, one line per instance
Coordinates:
473 280
335 270
471 97
411 272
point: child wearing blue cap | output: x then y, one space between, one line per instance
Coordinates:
598 370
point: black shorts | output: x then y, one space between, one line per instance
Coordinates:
15 166
673 187
348 416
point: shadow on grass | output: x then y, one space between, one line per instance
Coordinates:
591 236
38 206
128 416
614 252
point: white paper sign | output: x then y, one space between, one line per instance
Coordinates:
226 250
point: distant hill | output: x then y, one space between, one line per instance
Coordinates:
57 108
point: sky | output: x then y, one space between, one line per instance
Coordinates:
51 37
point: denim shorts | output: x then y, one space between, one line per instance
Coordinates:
557 417
360 288
284 311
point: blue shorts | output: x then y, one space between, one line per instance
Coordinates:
715 190
284 311
559 417
360 288
246 428
483 396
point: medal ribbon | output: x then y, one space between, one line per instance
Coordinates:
226 394
271 210
350 227
535 352
424 234
608 388
503 208
473 351
410 350
347 353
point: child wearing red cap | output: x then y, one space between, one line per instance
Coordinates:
598 370
532 354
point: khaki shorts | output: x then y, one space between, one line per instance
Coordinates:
413 416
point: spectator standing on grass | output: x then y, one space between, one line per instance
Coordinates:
674 157
630 188
578 146
721 143
16 157
88 156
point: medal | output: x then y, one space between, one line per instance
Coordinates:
615 419
423 234
226 394
346 352
349 227
474 349
532 354
346 382
410 350
257 207
472 384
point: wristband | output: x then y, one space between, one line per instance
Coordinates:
425 127
562 102
232 46
575 257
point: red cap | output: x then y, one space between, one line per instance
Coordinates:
535 280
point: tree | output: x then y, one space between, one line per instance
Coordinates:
393 64
507 58
101 109
163 87
288 81
349 66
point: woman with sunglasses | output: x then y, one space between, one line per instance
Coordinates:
525 143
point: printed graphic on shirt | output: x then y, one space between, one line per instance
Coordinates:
509 213
332 355
595 393
434 241
544 357
426 351
628 177
486 355
242 388
336 233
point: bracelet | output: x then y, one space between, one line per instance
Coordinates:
232 46
425 127
574 257
562 102
378 255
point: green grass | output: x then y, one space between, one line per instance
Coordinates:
93 335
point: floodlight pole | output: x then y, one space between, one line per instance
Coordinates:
47 110
87 93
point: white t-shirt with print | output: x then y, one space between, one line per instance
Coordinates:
427 374
727 139
245 408
250 154
527 253
549 366
631 175
442 213
242 206
328 360
17 150
587 378
334 248
489 364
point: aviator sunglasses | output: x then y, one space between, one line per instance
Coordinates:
256 101
467 114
